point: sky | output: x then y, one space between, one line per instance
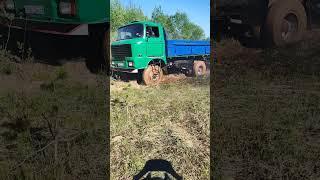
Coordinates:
198 10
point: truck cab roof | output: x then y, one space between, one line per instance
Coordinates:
144 22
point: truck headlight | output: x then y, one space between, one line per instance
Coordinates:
130 64
9 5
67 7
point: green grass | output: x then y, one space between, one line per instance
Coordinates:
266 112
169 122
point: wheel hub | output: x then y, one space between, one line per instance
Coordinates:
289 26
200 70
154 74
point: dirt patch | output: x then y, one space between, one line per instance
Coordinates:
173 78
27 77
187 139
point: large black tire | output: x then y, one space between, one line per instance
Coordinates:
152 75
98 59
285 23
199 68
106 51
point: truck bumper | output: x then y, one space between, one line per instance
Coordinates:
131 71
46 27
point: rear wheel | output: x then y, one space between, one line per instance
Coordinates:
199 68
152 75
285 23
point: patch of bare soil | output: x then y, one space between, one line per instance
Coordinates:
173 78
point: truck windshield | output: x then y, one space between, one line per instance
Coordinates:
130 32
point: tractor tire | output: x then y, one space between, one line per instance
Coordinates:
285 23
152 75
199 68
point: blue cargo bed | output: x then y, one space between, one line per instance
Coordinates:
178 48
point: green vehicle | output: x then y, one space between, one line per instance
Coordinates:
62 17
142 48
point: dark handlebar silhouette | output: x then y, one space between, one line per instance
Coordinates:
157 165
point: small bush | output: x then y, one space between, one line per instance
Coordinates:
7 68
61 74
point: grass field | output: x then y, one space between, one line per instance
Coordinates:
266 112
170 121
52 119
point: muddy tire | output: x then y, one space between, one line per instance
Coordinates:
285 23
152 75
106 51
98 59
199 68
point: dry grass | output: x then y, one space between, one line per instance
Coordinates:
169 122
266 108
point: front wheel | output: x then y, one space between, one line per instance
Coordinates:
98 59
152 75
199 68
285 23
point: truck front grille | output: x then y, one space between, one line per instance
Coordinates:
121 51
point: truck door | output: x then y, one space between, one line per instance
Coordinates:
155 43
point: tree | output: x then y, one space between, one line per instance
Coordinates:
178 26
121 16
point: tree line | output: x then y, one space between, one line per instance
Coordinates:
177 26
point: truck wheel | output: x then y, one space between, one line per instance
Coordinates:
106 52
98 59
152 75
285 23
199 68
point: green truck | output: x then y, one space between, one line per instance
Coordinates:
142 48
62 17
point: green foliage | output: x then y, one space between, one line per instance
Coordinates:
177 26
61 73
121 15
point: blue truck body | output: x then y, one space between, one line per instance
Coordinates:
179 48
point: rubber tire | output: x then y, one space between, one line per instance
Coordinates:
147 80
106 51
196 67
277 12
98 59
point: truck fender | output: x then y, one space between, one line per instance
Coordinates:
160 62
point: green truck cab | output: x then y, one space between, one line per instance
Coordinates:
61 17
142 47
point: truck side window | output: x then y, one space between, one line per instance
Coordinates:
152 31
